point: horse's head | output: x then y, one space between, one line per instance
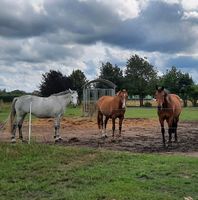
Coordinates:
74 97
123 96
160 96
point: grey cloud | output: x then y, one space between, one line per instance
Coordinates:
159 27
183 62
21 21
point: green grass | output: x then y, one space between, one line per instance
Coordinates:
4 111
137 112
188 114
55 172
73 112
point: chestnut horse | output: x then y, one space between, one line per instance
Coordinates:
169 109
111 107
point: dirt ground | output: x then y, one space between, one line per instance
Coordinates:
138 135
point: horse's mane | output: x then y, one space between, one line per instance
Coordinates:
61 93
167 98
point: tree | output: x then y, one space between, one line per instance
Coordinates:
185 85
140 77
194 94
54 82
112 73
171 80
178 82
78 79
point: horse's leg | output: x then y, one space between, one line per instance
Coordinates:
13 132
104 120
175 128
100 120
20 123
170 129
57 127
113 126
120 125
105 126
16 124
162 131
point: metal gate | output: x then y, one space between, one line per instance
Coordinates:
91 94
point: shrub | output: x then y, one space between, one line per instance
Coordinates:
147 104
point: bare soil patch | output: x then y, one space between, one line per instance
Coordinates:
138 135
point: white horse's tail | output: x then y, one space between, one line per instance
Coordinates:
12 113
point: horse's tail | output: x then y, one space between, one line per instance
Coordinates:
12 113
98 119
98 114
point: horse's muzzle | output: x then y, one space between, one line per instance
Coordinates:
74 105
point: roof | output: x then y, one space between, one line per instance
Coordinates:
107 82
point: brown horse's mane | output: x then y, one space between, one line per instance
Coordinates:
166 99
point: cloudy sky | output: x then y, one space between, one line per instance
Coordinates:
39 35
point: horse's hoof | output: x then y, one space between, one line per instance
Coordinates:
13 140
113 140
104 136
58 140
169 144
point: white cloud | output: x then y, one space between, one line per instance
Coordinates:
190 4
38 6
126 9
190 15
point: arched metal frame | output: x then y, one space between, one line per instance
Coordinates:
92 94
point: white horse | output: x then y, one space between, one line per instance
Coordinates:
42 107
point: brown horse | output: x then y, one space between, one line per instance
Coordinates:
169 109
111 107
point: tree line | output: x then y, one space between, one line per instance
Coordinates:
139 78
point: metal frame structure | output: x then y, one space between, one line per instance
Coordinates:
91 94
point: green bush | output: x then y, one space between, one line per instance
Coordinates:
147 104
7 98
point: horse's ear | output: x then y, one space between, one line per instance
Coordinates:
162 88
117 94
70 90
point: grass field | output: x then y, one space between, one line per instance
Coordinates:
188 114
56 172
42 171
